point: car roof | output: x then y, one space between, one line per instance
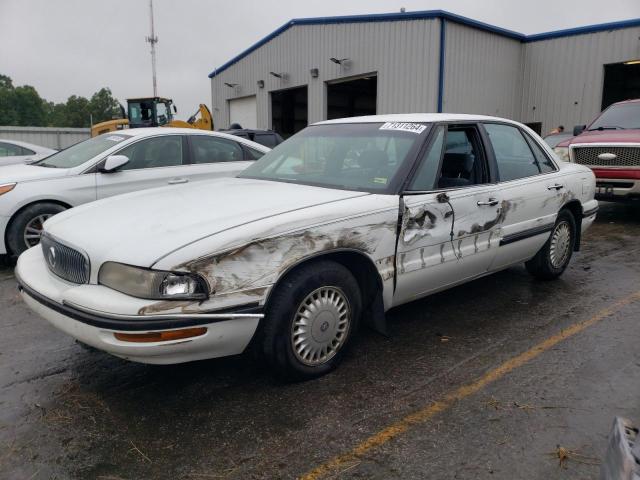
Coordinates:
417 118
37 148
150 131
631 100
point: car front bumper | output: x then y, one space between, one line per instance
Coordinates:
617 184
227 333
4 222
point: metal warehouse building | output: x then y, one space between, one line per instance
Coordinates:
321 68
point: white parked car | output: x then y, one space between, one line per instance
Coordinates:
341 222
111 164
14 151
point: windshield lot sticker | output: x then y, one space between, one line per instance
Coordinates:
114 138
380 180
404 127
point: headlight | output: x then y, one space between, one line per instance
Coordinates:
562 153
152 284
7 187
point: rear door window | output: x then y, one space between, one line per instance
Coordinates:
9 150
208 149
514 157
544 162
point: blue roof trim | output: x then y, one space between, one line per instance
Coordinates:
601 27
427 14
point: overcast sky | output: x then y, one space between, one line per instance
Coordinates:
66 47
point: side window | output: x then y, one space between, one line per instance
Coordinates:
425 178
463 162
266 139
513 155
206 149
26 151
165 151
544 162
9 150
253 154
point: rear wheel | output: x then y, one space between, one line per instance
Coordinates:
553 258
26 227
310 320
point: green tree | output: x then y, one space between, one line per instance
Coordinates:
103 106
8 114
29 106
77 112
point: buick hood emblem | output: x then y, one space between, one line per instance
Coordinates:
51 254
607 156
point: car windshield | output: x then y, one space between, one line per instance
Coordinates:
81 152
616 117
555 139
363 156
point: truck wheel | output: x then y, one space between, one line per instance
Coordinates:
310 320
553 258
26 227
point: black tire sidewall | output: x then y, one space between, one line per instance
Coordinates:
542 266
15 240
283 305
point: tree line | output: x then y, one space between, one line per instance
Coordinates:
23 106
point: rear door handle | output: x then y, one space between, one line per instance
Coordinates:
175 181
556 186
492 202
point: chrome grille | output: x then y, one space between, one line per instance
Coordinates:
625 156
64 261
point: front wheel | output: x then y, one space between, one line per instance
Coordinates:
26 227
310 320
553 258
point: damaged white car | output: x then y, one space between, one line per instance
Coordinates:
340 223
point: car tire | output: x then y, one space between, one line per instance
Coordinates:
553 258
31 217
310 320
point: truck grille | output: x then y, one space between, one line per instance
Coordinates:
625 156
64 261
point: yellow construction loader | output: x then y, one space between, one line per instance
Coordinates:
154 112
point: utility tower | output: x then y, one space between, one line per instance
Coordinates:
153 39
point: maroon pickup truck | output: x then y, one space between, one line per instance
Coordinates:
610 146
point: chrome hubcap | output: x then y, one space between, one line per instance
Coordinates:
560 244
321 326
33 230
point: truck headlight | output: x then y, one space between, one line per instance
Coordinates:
562 153
152 284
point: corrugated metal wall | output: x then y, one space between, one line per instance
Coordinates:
51 137
563 77
404 54
483 72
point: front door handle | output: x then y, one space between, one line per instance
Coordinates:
556 186
492 202
175 181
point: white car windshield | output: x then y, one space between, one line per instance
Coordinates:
352 156
81 152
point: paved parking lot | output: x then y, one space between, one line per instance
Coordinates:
483 381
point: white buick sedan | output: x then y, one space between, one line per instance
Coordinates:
108 165
338 224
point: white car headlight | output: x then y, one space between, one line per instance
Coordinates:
562 153
152 284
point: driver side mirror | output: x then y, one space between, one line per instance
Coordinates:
578 129
113 163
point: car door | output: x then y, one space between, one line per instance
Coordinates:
529 190
450 213
215 157
153 162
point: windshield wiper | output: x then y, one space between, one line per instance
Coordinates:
605 127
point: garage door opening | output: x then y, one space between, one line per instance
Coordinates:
289 110
244 111
621 82
352 98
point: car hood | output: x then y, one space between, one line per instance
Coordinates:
24 173
139 228
604 136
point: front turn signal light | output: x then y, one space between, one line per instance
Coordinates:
7 187
165 336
